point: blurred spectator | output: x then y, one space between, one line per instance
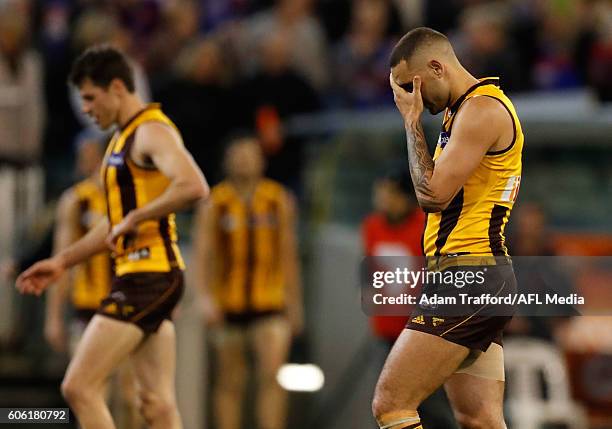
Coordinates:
487 49
21 93
275 93
22 117
140 18
200 102
179 26
600 54
217 12
530 234
303 33
394 229
554 68
361 60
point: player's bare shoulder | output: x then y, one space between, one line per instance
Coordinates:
486 119
154 137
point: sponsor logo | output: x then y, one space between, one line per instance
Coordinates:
443 139
116 160
420 320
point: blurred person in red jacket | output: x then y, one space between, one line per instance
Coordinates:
394 229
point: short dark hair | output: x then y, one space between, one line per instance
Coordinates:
411 41
101 64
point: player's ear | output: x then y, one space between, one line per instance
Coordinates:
116 86
436 68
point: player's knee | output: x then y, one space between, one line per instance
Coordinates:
75 392
384 403
155 408
394 419
483 418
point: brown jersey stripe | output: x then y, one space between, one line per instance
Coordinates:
423 234
496 241
250 277
164 231
449 220
125 180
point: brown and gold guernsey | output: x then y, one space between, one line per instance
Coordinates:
153 247
249 277
475 220
91 279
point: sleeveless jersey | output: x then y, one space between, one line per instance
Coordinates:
249 276
475 220
153 247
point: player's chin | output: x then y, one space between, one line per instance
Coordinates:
434 110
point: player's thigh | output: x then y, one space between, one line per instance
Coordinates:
105 344
271 338
229 345
476 399
417 364
154 362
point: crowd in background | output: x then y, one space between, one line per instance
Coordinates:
219 66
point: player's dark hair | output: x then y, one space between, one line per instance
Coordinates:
411 41
101 64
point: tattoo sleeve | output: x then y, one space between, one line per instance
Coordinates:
421 166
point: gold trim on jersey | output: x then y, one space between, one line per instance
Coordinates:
153 247
475 220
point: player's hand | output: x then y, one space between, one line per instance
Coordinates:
39 276
212 314
123 228
55 334
410 104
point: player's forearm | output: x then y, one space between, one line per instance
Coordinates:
81 250
178 195
421 166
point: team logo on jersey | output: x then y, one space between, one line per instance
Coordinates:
443 139
115 160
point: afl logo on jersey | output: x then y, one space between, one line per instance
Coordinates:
443 139
115 159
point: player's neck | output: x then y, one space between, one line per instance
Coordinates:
130 106
245 186
462 83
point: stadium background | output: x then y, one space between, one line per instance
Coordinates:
311 79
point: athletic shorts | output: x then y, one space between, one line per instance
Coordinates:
144 299
478 315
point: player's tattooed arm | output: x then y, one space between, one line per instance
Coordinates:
421 167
